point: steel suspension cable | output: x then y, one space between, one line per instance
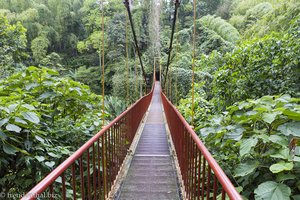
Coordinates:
136 85
103 106
102 63
177 51
177 4
170 79
193 66
126 3
127 58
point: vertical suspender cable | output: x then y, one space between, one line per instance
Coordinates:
167 85
136 83
102 62
177 4
104 162
176 78
126 62
193 66
170 77
154 68
160 72
126 3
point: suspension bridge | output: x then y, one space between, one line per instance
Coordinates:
148 152
176 165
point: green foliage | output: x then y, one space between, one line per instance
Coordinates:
127 86
12 47
39 112
221 27
52 61
57 31
181 84
208 7
114 106
114 35
259 67
209 41
272 190
202 107
224 9
90 76
39 47
56 25
279 20
240 7
256 13
258 18
251 140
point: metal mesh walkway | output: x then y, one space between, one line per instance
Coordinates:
151 174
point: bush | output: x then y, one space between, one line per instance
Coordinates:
221 27
256 142
39 112
259 67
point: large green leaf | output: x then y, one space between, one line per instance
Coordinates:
29 107
292 114
234 132
47 95
296 197
245 168
3 121
246 145
207 130
39 139
291 128
5 109
269 117
272 191
14 128
9 149
2 135
40 158
12 107
283 177
50 164
31 116
19 120
54 155
284 98
278 139
283 154
281 166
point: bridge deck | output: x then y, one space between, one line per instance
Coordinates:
151 174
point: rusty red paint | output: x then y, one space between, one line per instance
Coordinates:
63 186
73 181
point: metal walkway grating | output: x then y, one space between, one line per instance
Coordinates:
151 174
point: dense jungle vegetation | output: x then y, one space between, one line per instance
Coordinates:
247 100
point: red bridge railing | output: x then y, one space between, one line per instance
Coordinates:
202 177
90 172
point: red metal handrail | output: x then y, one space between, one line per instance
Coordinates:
202 176
90 172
